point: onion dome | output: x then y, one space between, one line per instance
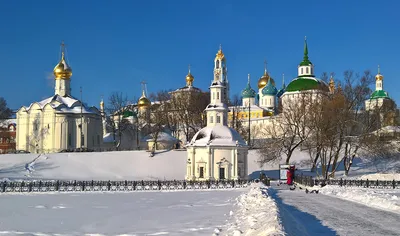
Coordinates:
306 61
265 78
189 78
220 55
269 89
143 101
379 76
248 92
62 69
303 84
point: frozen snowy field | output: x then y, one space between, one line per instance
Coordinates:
139 213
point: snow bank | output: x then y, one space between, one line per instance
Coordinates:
379 198
256 214
122 165
381 176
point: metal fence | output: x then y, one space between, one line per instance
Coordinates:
117 186
310 181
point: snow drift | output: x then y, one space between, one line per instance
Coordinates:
256 214
386 199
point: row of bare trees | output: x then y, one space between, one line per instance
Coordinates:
180 113
333 128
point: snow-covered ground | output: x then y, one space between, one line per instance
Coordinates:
217 212
137 165
139 213
381 176
256 214
387 199
123 165
320 214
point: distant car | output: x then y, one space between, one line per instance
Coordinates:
21 151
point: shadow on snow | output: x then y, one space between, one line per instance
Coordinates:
296 222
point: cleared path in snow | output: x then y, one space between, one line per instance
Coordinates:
318 214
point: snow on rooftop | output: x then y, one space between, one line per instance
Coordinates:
7 122
66 104
218 135
162 136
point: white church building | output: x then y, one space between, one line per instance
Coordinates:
217 152
60 122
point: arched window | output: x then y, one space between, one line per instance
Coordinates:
217 95
307 70
218 119
217 64
301 71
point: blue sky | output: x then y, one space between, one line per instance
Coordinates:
113 45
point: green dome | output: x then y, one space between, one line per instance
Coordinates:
379 94
269 89
248 92
303 84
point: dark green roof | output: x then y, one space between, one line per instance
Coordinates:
248 92
302 84
379 94
128 114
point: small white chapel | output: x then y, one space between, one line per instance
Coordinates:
217 152
60 122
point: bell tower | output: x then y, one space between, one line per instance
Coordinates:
220 72
217 110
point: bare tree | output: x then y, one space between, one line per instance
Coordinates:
159 118
5 112
118 106
291 128
239 118
39 133
187 109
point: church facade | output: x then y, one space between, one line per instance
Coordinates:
60 122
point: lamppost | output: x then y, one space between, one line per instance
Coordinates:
63 121
80 125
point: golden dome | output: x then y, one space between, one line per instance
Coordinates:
189 78
143 102
220 55
379 76
264 80
62 69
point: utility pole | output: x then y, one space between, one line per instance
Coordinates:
82 139
248 142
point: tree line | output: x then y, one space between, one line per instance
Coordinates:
333 129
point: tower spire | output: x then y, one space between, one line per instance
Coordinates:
379 69
62 50
143 83
265 66
283 80
189 68
248 78
305 49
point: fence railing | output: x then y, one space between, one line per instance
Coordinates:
310 181
85 186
